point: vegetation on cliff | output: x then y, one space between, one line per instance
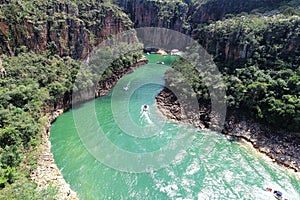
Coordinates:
203 11
170 14
185 15
33 83
67 28
39 41
259 60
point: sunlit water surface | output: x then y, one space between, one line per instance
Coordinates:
211 167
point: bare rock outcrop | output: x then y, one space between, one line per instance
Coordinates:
281 146
47 172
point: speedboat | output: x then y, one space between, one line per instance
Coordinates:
145 107
277 194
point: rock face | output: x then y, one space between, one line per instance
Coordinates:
170 107
166 14
203 11
2 70
68 29
228 41
185 15
47 173
104 86
280 146
72 29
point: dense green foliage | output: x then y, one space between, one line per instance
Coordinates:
26 190
170 9
259 60
38 12
33 83
66 27
37 80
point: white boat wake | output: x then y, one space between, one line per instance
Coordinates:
145 114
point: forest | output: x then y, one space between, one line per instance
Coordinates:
34 85
259 60
36 79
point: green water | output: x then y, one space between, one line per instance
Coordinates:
210 167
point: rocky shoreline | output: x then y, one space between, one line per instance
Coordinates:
47 172
282 147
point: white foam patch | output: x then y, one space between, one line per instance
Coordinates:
187 184
206 194
171 173
228 176
186 198
171 190
179 157
193 168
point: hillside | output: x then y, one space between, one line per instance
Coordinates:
66 28
41 45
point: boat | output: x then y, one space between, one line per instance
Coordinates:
145 107
277 194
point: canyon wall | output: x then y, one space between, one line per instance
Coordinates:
72 28
251 37
203 11
184 15
200 20
66 29
166 14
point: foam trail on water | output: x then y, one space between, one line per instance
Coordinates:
147 118
127 86
145 115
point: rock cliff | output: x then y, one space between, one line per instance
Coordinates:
185 15
72 28
281 146
205 10
154 13
250 37
67 29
